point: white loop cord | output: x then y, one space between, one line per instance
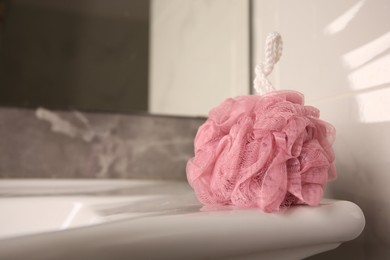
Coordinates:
273 51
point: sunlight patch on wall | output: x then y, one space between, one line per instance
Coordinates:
374 106
374 73
341 22
367 52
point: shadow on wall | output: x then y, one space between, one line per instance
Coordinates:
91 55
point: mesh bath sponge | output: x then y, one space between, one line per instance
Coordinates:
267 150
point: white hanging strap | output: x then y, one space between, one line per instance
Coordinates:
273 51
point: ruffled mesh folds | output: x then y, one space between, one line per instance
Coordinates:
267 151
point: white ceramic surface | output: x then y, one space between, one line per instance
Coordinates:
338 54
158 220
21 216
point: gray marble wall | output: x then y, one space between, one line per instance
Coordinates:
46 144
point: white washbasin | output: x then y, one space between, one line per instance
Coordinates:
20 216
103 219
37 206
31 215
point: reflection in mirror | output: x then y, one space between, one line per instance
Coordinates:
88 55
175 57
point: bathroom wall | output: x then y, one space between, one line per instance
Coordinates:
199 54
338 54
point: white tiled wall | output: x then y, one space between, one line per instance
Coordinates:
337 53
199 54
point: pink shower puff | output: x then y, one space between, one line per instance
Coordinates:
267 151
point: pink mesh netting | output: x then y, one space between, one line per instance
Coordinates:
267 151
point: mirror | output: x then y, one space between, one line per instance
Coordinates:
175 57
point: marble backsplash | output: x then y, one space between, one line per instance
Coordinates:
57 144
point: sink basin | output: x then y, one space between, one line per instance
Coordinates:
21 216
37 206
31 215
131 219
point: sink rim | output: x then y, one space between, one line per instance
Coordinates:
228 227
